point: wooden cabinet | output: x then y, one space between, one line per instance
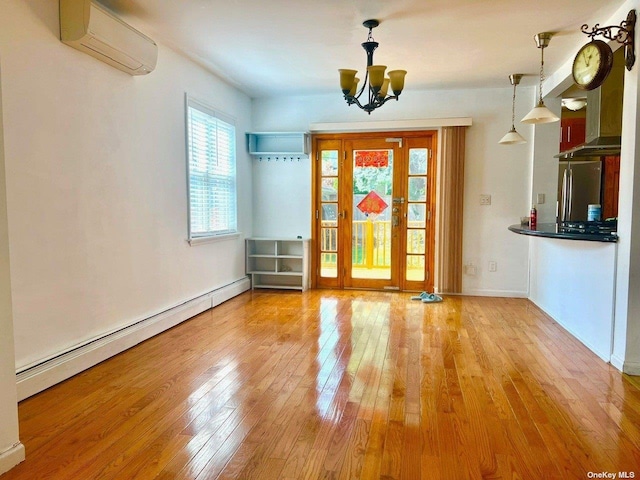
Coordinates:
281 263
572 132
611 182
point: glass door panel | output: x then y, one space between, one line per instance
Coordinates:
372 255
329 226
418 214
328 215
371 220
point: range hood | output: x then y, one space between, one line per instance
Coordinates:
604 116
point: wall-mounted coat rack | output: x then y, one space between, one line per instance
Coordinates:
278 146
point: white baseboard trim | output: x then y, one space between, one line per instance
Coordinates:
603 355
69 363
11 457
495 293
630 368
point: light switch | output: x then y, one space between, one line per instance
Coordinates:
540 199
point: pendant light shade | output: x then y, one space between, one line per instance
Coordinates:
540 113
512 137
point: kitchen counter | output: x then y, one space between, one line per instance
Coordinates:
553 230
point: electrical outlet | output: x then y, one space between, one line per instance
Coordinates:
540 199
493 266
470 269
485 199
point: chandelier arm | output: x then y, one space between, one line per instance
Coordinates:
364 85
379 102
354 100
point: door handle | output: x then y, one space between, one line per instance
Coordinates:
395 221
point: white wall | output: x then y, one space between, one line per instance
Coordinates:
564 284
11 450
96 186
282 202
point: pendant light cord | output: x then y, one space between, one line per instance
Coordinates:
541 73
513 107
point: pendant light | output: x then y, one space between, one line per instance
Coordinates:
512 137
541 114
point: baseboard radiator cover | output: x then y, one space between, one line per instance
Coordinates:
47 373
11 457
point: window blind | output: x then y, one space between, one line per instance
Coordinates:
211 149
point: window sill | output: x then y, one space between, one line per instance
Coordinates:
213 238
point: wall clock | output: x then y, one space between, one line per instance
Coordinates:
592 65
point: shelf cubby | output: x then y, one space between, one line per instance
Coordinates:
278 263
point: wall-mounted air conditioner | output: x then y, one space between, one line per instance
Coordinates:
91 28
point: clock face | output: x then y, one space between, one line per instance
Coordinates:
592 65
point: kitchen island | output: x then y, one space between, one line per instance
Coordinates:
572 279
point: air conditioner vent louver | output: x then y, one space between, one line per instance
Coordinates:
90 28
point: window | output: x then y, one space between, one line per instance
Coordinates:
211 150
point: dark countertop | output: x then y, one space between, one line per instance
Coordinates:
551 230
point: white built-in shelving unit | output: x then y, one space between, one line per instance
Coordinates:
281 263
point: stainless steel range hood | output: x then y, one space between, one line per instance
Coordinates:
604 116
599 147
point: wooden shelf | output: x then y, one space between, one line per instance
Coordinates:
278 263
266 272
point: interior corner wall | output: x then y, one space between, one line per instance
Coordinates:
11 450
282 202
626 334
96 186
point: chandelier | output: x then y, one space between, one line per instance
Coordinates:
375 83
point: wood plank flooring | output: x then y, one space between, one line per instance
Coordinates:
341 385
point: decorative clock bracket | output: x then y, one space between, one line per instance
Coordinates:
625 36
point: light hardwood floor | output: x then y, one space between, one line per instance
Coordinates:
341 384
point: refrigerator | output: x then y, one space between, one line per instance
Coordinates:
579 184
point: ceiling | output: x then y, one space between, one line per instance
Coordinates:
294 47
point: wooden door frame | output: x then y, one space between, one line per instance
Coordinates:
351 145
431 218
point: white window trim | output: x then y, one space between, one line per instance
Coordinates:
195 241
214 237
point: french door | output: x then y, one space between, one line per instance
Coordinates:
373 204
